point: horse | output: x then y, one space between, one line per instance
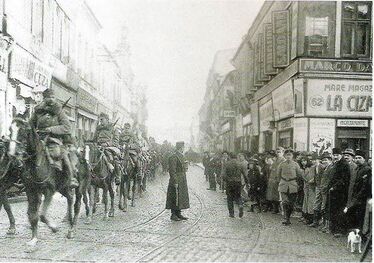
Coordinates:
44 180
102 178
129 180
12 172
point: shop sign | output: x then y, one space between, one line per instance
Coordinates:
321 135
335 66
247 119
25 68
353 123
86 101
283 101
345 98
285 124
268 43
266 115
300 134
298 86
229 114
280 20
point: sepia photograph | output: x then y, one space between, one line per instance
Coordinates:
186 131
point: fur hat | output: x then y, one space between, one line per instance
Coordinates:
349 151
360 153
336 151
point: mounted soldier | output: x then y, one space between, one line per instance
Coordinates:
106 137
50 122
129 142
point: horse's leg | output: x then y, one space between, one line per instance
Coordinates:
125 192
8 210
111 194
91 196
105 200
120 201
133 191
43 214
34 199
73 219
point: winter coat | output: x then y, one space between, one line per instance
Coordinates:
177 171
352 179
257 182
104 135
309 175
272 193
361 189
233 171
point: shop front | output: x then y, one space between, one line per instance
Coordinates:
86 115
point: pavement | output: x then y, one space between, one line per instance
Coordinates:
145 233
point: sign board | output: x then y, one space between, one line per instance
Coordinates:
280 20
266 115
321 135
353 123
229 114
27 69
335 66
283 101
285 124
268 44
339 98
300 134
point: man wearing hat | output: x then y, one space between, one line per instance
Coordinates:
50 118
103 137
322 180
177 194
361 191
272 194
289 171
349 156
128 140
338 193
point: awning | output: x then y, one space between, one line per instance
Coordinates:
87 114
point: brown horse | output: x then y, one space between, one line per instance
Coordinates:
102 178
129 181
45 179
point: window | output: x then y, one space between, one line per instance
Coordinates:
356 29
316 36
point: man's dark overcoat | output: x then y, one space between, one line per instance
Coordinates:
177 171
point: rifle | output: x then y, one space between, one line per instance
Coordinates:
114 124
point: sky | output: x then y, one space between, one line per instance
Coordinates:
173 43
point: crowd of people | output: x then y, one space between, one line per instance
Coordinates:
330 191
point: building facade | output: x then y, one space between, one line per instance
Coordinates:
305 77
54 44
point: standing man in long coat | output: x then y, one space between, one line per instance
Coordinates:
338 193
177 194
272 194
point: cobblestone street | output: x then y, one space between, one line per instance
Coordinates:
145 233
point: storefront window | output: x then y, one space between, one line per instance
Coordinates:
356 29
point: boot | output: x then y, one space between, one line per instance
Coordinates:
180 216
73 182
287 213
241 211
315 219
174 216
